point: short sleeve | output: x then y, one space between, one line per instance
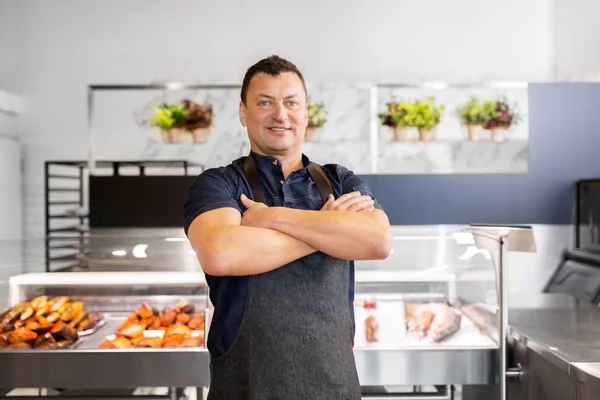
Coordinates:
209 191
352 183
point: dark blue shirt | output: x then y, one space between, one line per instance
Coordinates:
222 187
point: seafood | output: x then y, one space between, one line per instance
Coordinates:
132 331
145 311
67 313
118 343
53 316
183 318
193 341
434 321
178 330
21 335
58 302
146 322
64 331
371 324
168 317
173 341
38 302
19 345
45 339
28 312
44 310
76 321
151 342
184 306
46 323
197 322
14 314
38 324
171 327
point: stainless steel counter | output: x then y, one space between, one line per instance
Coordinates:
558 343
562 336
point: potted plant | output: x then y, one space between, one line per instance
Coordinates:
394 119
424 115
169 119
502 117
198 120
317 116
474 115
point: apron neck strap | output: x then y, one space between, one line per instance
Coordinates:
316 173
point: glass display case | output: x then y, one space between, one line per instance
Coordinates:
427 316
144 318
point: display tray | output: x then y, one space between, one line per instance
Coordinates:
105 368
392 328
47 323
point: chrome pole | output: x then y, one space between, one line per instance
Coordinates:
503 304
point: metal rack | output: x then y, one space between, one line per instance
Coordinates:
66 200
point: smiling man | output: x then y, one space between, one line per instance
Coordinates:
274 234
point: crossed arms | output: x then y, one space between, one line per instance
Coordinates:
265 238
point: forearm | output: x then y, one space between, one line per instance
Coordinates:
242 250
341 234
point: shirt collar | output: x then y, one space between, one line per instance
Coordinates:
263 161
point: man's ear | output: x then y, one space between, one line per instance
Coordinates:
243 114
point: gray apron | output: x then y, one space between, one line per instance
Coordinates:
296 336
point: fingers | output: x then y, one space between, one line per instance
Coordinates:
356 202
360 204
246 201
327 205
337 204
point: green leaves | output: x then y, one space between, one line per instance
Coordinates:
489 113
166 117
475 112
420 114
317 116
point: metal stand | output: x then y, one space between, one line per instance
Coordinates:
503 239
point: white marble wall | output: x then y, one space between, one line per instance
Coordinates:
450 152
347 137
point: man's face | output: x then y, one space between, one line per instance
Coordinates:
275 114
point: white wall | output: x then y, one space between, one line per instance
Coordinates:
11 210
64 46
577 40
9 44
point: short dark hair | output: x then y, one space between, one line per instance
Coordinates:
274 66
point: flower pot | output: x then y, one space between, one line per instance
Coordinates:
498 134
200 135
474 132
311 134
172 135
399 133
426 135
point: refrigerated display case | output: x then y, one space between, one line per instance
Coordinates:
116 296
427 318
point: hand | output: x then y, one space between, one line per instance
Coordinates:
256 215
354 202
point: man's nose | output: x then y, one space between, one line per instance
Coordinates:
280 112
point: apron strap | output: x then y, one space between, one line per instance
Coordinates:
321 180
316 172
254 179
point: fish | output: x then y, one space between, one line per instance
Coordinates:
434 322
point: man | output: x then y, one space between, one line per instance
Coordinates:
278 268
